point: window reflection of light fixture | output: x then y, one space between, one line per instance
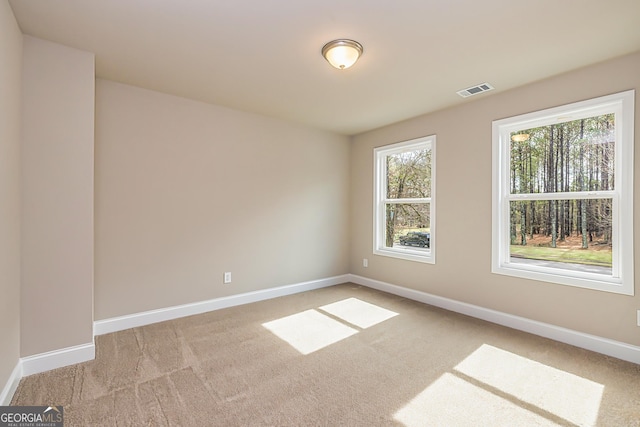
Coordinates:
342 53
520 137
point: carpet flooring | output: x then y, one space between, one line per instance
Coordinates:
340 356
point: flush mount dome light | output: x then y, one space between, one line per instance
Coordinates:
520 137
342 53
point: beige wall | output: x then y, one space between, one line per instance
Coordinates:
463 268
57 197
186 191
10 77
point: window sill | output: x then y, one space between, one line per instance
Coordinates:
408 254
587 280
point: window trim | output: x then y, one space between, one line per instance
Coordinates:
622 279
379 200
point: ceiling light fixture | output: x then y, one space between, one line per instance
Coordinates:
520 137
342 53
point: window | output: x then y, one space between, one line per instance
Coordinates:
404 200
563 194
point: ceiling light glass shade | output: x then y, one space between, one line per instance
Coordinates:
520 137
342 53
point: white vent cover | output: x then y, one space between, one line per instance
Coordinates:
474 90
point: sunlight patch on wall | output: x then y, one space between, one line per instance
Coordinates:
452 401
568 396
309 330
358 312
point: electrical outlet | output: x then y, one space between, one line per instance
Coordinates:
227 277
365 262
638 317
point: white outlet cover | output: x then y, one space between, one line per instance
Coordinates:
227 277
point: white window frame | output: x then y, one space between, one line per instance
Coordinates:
622 279
380 201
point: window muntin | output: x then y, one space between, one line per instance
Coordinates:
404 202
563 194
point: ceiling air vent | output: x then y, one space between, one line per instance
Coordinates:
474 90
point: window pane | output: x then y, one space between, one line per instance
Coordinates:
409 174
408 225
576 155
566 234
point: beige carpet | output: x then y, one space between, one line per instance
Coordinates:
340 356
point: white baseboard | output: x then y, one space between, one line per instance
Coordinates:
45 362
57 358
11 386
115 324
601 345
77 354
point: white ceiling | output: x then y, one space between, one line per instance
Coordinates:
263 56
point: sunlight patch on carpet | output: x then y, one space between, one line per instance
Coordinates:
568 396
452 401
358 312
309 331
